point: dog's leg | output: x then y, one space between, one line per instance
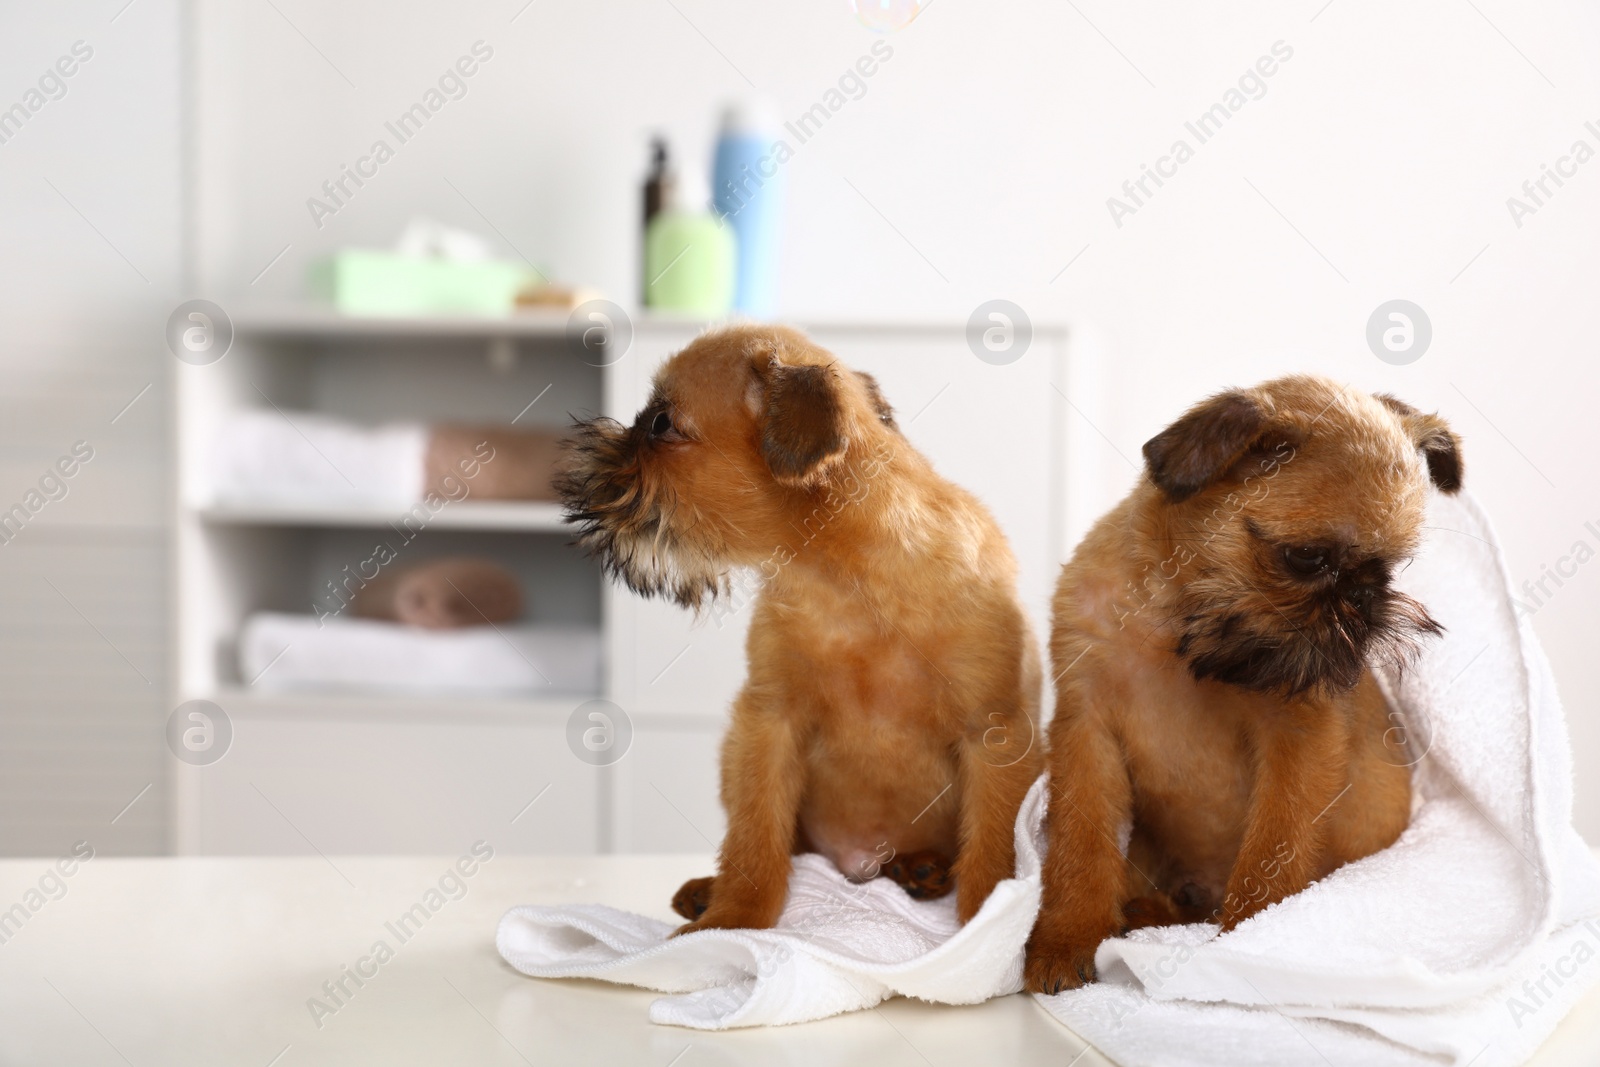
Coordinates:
763 775
1301 768
1085 873
998 764
1377 809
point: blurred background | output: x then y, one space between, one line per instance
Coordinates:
196 493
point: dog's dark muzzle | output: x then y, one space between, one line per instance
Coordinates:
1328 640
606 494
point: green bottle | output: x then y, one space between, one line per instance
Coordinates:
689 254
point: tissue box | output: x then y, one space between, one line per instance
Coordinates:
359 282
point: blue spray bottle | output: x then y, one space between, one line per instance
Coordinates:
747 192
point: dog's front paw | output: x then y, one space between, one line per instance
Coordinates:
1051 969
923 875
693 898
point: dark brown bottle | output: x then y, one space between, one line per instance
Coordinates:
657 190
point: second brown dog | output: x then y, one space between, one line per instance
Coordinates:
1215 711
888 717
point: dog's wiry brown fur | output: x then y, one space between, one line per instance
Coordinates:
1211 641
888 717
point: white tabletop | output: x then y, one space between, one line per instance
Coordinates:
212 961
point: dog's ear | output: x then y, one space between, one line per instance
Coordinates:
802 421
880 406
1204 443
1439 445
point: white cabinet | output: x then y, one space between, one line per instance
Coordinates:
374 773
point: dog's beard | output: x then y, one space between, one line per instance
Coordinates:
1303 640
628 525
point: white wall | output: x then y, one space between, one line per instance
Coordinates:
90 197
984 151
977 164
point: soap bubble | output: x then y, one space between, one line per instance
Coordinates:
887 16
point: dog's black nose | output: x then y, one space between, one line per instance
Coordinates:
1363 596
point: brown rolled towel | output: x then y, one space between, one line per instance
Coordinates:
442 594
491 462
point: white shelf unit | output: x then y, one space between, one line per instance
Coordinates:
529 517
380 772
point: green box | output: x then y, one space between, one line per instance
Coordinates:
360 282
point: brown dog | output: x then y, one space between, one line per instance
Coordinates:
888 717
1211 639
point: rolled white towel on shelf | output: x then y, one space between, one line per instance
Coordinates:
271 456
281 651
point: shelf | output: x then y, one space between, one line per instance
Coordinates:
237 554
239 701
313 320
553 707
525 516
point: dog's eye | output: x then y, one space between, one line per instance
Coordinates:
1306 560
661 424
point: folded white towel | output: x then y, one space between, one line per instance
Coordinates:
278 651
1465 942
839 946
298 457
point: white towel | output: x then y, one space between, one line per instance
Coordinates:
1471 937
1465 942
839 946
280 651
271 456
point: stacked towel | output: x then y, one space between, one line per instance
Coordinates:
279 651
1465 942
301 457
